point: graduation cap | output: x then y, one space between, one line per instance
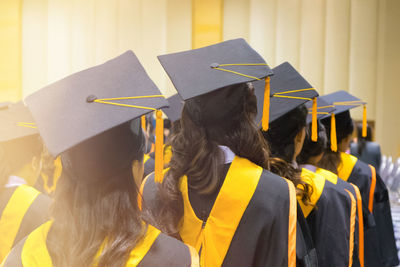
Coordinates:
288 90
19 137
16 122
93 101
343 101
323 109
204 70
174 110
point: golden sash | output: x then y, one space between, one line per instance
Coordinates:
346 165
330 176
317 182
215 235
35 253
12 216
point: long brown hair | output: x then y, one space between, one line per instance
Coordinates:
96 202
195 151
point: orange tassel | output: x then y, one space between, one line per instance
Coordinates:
333 133
265 117
314 129
159 161
364 126
143 121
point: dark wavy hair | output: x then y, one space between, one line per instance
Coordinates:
311 148
280 137
204 125
96 201
344 127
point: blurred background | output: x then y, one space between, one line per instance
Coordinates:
348 45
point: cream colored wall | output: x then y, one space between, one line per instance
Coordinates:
61 37
336 44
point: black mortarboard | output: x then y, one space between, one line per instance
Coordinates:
323 109
18 135
288 90
343 102
91 102
174 110
16 122
205 70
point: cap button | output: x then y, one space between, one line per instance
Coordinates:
91 98
214 65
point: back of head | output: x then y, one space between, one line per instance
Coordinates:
280 137
310 148
282 132
344 127
96 198
362 140
17 153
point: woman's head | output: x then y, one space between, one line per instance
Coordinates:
286 134
344 129
359 132
96 198
312 152
285 137
21 157
224 117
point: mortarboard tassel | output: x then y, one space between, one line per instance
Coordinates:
364 126
159 162
143 121
265 117
314 130
333 133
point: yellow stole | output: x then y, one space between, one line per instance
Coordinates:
215 235
317 182
330 176
12 216
346 165
35 253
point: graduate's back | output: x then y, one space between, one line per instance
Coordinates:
217 195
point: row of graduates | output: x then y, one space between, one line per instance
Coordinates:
251 177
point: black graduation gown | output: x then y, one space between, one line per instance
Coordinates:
22 209
380 246
156 249
262 236
358 255
332 221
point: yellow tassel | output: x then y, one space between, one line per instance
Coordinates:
333 133
143 121
265 116
159 162
364 126
314 129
